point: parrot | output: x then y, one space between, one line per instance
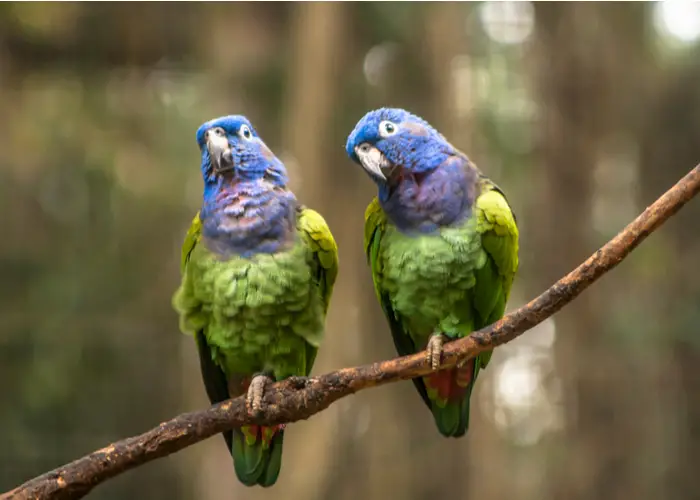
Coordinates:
258 270
441 242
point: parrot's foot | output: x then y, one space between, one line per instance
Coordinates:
256 391
434 349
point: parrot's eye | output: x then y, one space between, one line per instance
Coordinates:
245 132
387 128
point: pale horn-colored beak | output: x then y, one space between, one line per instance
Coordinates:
219 152
373 161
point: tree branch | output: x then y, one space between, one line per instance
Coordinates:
297 399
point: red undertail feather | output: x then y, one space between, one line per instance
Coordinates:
253 431
449 385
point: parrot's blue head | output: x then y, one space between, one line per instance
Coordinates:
231 147
423 181
387 141
246 208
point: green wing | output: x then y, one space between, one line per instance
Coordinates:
498 228
375 222
194 233
324 252
497 225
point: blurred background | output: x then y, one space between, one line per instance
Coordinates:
583 113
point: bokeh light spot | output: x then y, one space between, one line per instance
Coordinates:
507 22
679 19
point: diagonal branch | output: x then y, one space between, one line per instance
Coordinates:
298 399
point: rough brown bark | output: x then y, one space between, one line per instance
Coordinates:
297 398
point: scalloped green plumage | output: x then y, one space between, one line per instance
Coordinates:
265 313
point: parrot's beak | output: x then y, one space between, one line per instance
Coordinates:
373 161
220 153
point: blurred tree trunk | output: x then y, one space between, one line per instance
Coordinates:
310 136
316 58
573 81
635 335
617 360
612 362
445 40
670 148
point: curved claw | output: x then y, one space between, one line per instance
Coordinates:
434 349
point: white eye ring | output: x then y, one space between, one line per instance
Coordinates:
387 128
245 133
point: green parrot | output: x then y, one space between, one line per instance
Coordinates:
442 244
258 271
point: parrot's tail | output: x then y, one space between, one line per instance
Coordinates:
257 454
449 392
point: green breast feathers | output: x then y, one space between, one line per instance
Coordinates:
455 279
259 312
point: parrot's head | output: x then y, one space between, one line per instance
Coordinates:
231 148
388 141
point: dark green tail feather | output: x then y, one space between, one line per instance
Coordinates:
449 419
274 461
453 419
252 464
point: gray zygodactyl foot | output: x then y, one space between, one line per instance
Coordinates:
434 349
256 391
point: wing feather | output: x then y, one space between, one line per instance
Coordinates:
318 237
499 232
